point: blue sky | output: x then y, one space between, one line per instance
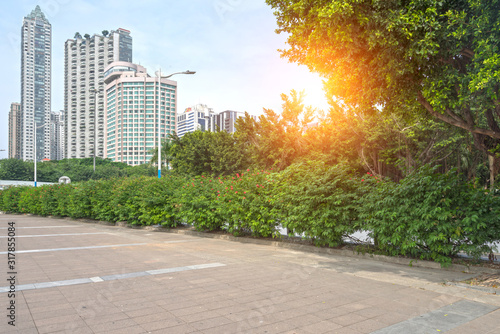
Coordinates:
231 44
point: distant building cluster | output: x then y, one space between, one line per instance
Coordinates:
112 107
201 117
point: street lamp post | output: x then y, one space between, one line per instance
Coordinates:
158 100
94 91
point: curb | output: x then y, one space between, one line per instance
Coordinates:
305 248
338 252
492 291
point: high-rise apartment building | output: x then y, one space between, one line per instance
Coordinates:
198 117
57 135
139 110
36 53
85 60
15 131
226 120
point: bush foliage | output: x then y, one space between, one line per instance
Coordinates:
427 215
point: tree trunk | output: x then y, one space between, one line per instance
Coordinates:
494 164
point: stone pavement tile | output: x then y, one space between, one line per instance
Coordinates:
99 318
353 307
164 325
48 303
53 314
57 320
189 310
411 311
391 318
231 328
348 319
170 305
224 311
277 327
367 326
128 330
267 317
347 330
182 329
20 326
133 304
210 323
113 325
330 313
81 330
304 320
68 327
370 312
199 316
21 331
297 331
215 305
157 316
141 311
324 326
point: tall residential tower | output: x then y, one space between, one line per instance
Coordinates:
15 131
85 59
36 60
140 109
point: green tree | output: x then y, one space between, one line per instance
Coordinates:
277 139
166 155
15 169
442 56
207 153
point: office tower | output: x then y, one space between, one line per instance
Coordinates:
15 131
35 85
138 109
85 60
198 117
57 135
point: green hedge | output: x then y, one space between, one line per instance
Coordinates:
427 215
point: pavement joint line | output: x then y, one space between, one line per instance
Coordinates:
71 248
65 226
53 235
441 320
97 279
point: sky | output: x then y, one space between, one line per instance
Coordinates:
231 44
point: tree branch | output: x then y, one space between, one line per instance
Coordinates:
461 124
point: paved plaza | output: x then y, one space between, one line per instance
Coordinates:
77 277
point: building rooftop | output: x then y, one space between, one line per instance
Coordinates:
37 14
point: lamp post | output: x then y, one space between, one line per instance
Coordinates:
94 91
158 97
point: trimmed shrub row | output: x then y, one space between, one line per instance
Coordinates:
427 215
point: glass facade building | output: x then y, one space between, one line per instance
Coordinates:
36 54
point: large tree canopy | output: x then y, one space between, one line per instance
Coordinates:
443 55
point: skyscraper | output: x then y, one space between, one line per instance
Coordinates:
15 131
85 60
57 135
226 120
139 110
36 60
